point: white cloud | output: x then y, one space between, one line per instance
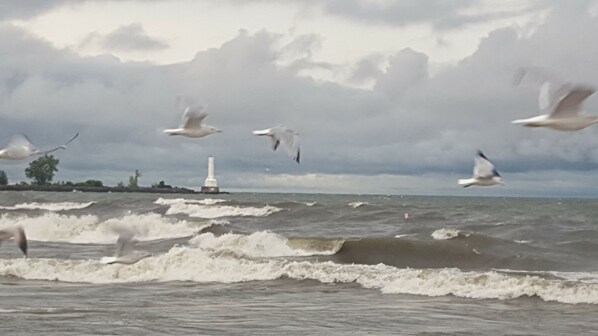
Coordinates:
131 37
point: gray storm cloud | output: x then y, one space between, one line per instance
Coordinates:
410 124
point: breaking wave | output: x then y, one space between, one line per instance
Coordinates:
199 265
209 209
356 205
448 233
90 229
60 206
265 244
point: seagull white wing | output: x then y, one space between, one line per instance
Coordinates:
282 135
272 133
544 98
21 141
483 168
125 253
556 97
125 242
19 235
569 105
290 142
193 117
61 147
19 148
550 86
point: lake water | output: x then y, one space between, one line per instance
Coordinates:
249 263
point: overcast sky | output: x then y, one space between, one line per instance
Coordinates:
390 97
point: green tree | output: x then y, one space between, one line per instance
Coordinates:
3 178
161 184
41 171
134 180
92 183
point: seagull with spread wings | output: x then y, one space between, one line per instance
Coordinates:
192 124
484 173
559 101
282 135
125 252
20 147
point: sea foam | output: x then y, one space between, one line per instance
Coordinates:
448 233
210 209
170 201
59 206
356 205
200 265
258 244
90 229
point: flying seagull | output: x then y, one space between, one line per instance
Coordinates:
282 135
192 124
484 173
19 236
559 102
20 147
125 253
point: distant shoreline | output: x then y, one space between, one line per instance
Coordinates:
65 188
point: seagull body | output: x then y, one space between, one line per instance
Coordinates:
484 173
561 102
192 124
282 135
19 236
20 148
125 253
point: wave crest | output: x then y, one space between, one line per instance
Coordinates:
356 205
90 229
59 206
263 244
194 264
201 209
448 233
170 201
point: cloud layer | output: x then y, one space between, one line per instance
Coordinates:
131 37
415 129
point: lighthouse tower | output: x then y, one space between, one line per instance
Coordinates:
210 186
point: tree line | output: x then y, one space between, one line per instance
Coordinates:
42 171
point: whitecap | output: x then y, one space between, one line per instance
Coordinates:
208 208
90 229
201 265
257 244
448 233
356 205
217 211
59 206
171 201
406 235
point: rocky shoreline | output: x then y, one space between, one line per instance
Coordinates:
65 188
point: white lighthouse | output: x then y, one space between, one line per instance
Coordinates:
210 186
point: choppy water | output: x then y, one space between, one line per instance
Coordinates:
300 264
